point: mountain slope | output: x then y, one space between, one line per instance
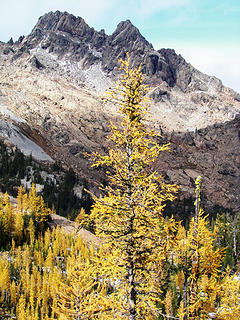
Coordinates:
52 82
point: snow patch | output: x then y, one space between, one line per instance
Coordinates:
46 59
95 52
27 146
7 113
97 79
94 76
46 176
27 181
28 185
78 191
72 67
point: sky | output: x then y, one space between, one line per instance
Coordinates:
205 32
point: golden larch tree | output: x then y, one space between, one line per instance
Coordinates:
206 288
129 215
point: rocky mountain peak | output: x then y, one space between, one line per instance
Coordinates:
64 22
126 38
125 24
127 33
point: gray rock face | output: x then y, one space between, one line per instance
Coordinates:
126 38
36 63
70 38
64 22
213 153
10 42
63 34
180 72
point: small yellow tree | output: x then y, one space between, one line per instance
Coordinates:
37 207
18 227
22 200
206 288
6 218
4 280
82 219
129 216
81 295
228 306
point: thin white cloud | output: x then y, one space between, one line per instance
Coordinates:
89 10
142 9
150 7
222 62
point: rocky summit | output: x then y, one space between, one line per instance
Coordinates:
52 81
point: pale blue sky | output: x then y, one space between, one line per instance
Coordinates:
205 32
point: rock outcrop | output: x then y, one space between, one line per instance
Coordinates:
213 153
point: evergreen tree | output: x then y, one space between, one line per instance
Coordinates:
228 235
